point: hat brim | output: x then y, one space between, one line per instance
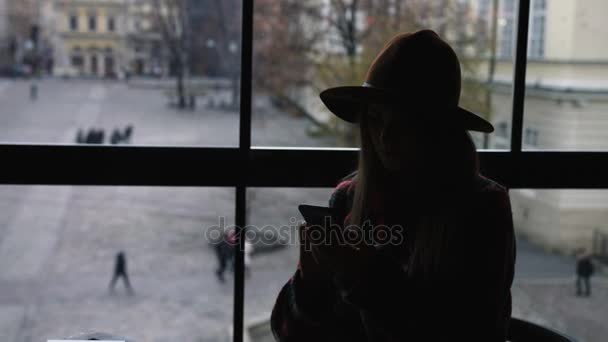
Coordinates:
346 102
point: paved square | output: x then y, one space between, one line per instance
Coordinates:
57 244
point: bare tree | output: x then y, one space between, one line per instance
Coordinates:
320 44
22 18
174 23
228 44
286 35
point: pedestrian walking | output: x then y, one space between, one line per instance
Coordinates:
223 251
126 138
248 252
33 91
584 271
231 249
100 136
80 137
120 271
116 137
90 137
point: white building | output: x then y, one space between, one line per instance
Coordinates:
89 37
566 108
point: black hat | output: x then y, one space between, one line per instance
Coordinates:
416 68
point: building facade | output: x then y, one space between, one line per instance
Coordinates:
148 55
90 37
18 22
566 108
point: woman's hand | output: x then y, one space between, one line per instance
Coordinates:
339 258
311 269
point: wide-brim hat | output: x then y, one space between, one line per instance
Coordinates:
414 71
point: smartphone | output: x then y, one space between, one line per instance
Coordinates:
317 215
325 218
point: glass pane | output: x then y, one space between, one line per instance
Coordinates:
120 72
567 73
552 228
304 47
59 252
555 229
273 260
496 68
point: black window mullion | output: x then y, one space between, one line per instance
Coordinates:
266 167
243 167
119 165
519 75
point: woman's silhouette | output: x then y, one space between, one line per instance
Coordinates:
449 275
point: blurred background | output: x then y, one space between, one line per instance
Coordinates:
167 72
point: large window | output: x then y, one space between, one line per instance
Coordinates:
60 251
111 24
537 30
507 23
73 21
92 21
555 229
183 112
161 86
302 48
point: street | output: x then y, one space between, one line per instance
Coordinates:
57 243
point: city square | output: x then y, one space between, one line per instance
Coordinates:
58 242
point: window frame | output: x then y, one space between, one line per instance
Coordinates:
246 166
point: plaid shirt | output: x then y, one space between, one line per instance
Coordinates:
470 299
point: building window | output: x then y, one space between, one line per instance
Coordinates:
92 22
111 24
77 61
509 6
540 5
109 66
507 29
502 129
73 22
531 137
506 41
94 65
537 31
483 11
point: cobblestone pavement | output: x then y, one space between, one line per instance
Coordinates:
57 244
544 292
552 303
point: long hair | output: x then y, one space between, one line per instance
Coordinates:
450 166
